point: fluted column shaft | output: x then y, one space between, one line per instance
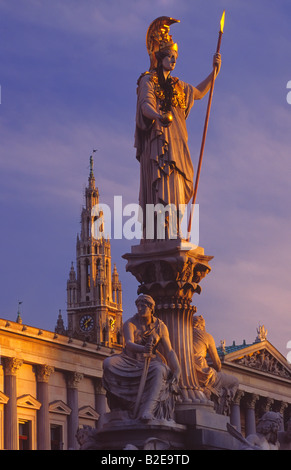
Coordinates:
178 318
235 410
43 373
100 398
73 380
250 414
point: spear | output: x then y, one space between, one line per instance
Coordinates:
205 127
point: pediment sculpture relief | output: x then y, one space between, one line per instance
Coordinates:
263 360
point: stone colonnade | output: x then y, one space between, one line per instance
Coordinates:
247 408
43 373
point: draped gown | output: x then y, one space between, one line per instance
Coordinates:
166 169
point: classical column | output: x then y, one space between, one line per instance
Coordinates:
265 405
282 407
73 380
235 410
10 366
250 413
100 398
43 372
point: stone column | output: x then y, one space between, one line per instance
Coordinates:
11 366
73 380
282 407
100 398
43 372
250 414
265 404
235 410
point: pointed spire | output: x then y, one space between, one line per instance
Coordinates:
19 319
72 273
91 178
91 166
115 277
60 327
91 174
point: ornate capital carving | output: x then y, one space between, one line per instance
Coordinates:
238 396
265 404
170 268
282 407
11 365
43 372
99 390
73 379
251 400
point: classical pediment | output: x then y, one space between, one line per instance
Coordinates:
58 406
28 401
3 399
88 412
260 356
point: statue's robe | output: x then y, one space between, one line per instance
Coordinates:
166 169
122 376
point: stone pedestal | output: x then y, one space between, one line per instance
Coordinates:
119 432
170 272
196 427
206 430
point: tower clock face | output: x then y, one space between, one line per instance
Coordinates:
86 323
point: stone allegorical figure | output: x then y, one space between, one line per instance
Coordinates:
122 373
266 436
161 140
216 385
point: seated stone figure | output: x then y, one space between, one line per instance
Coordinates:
122 373
217 386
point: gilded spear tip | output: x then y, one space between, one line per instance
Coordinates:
222 21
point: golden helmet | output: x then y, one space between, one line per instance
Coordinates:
158 38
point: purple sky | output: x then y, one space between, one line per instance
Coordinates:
68 80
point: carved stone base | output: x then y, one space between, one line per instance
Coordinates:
196 428
119 432
170 272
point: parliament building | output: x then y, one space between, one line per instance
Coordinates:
50 381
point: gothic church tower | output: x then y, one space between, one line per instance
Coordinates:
94 293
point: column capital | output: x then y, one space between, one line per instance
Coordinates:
266 403
251 400
99 390
238 396
43 372
282 407
73 379
11 365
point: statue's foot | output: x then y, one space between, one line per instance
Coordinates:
146 416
